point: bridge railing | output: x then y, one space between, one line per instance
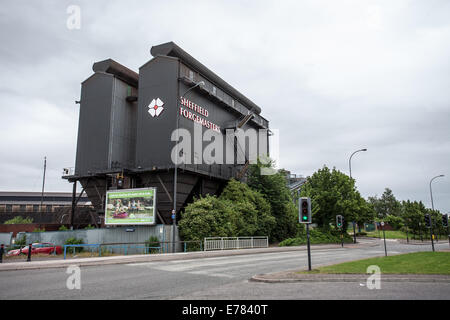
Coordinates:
226 243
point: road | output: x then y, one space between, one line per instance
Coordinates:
218 278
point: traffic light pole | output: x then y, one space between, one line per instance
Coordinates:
448 235
309 247
431 232
384 237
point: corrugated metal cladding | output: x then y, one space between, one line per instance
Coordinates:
107 125
120 131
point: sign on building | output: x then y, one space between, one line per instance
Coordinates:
130 206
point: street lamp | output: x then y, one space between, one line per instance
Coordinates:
431 192
350 170
175 175
432 207
350 160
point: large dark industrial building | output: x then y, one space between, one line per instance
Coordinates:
126 125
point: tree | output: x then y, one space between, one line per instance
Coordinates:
239 211
208 216
386 205
251 211
274 189
333 193
19 220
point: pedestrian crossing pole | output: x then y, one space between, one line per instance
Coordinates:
304 209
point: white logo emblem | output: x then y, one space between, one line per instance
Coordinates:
155 107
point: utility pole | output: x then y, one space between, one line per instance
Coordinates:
42 193
350 171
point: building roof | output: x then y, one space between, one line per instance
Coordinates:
171 49
25 197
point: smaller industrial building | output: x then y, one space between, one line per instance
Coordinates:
13 201
47 207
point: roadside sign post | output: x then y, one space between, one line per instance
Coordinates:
1 253
304 208
340 225
29 252
445 224
384 237
429 224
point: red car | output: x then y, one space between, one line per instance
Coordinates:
43 248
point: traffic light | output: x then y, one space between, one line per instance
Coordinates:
445 220
305 210
427 221
119 179
339 221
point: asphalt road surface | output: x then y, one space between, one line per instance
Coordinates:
218 278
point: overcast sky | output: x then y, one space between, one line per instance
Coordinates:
332 76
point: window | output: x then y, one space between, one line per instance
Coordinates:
48 208
35 208
214 90
191 75
22 208
9 208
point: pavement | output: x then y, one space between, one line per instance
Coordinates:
125 259
295 276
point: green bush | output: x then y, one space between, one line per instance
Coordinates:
74 241
207 217
239 211
153 241
63 228
394 221
317 236
89 227
22 241
19 220
39 230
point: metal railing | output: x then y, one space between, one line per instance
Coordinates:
225 243
105 248
134 248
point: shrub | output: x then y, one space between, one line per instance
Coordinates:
153 241
207 217
317 236
89 227
22 241
63 228
394 221
39 230
19 220
239 211
74 241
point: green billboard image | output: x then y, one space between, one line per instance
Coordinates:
130 206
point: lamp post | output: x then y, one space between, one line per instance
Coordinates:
432 204
350 170
431 191
175 175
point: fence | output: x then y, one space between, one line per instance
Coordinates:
130 235
133 248
109 247
218 243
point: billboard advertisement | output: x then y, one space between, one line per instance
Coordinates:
130 206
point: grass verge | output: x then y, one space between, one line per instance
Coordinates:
410 263
392 234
